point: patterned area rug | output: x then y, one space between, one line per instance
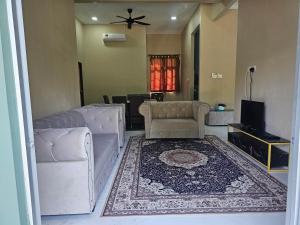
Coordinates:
190 176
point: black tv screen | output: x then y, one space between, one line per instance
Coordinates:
253 115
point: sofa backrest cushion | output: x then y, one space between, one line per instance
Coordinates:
171 110
101 119
66 119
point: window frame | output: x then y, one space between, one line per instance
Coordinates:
163 83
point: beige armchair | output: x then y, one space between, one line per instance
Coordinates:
174 119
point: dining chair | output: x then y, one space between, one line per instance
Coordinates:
106 99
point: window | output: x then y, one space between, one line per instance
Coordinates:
164 73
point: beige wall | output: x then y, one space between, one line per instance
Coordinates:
267 39
164 44
117 68
52 58
187 58
218 40
79 40
217 54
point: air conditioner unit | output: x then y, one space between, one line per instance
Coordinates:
110 37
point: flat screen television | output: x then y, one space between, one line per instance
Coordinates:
253 116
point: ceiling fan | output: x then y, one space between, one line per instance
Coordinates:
131 20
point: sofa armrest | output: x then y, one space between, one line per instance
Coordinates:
64 144
145 110
65 169
122 118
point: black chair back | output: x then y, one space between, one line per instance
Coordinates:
135 101
119 99
159 96
106 99
136 119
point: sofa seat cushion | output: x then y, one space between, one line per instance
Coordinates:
105 154
174 128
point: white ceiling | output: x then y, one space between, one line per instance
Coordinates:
157 14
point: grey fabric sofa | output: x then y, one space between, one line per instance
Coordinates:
174 119
76 152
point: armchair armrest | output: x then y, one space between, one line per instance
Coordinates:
64 144
145 110
200 110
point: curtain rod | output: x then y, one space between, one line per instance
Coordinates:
164 55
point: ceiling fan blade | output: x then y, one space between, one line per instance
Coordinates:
142 23
124 21
122 17
139 18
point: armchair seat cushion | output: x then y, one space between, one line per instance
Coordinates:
175 128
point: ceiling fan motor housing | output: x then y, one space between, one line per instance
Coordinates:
131 20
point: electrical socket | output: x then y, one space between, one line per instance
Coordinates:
250 67
214 75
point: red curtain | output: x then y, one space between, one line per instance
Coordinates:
164 73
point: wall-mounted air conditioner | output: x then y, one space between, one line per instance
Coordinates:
110 37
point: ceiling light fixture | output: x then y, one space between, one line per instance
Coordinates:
173 18
94 18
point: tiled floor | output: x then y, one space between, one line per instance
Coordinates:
201 219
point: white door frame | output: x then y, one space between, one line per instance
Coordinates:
293 204
20 111
14 123
17 10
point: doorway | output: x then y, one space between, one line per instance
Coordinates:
293 193
196 63
81 84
